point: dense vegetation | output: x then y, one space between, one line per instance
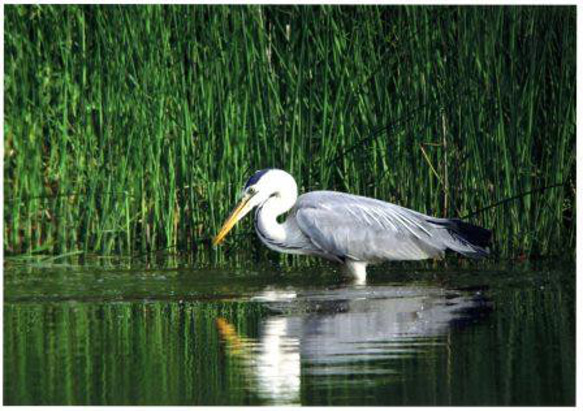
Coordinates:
131 128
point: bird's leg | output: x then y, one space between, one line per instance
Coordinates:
356 269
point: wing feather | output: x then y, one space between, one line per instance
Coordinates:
365 229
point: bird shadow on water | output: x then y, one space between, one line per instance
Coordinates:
349 328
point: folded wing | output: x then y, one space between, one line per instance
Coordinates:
365 229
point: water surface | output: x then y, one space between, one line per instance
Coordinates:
480 335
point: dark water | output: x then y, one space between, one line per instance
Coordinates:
480 335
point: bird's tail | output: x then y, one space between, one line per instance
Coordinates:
467 239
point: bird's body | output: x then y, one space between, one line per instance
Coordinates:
352 230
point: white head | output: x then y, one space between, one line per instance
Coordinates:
269 184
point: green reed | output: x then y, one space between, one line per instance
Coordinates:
131 129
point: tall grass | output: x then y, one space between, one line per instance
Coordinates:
131 128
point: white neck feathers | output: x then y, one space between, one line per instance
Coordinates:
269 230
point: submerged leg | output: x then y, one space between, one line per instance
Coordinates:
357 269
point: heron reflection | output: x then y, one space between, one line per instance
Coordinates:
327 332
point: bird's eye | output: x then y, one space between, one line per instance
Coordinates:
251 190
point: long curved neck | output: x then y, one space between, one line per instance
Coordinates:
270 231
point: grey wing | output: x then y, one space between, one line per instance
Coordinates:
365 229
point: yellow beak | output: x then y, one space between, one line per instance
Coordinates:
238 213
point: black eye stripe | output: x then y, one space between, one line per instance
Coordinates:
256 177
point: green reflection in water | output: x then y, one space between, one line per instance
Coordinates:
521 354
122 353
222 345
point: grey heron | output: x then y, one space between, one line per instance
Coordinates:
349 229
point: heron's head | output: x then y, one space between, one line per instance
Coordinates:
261 186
